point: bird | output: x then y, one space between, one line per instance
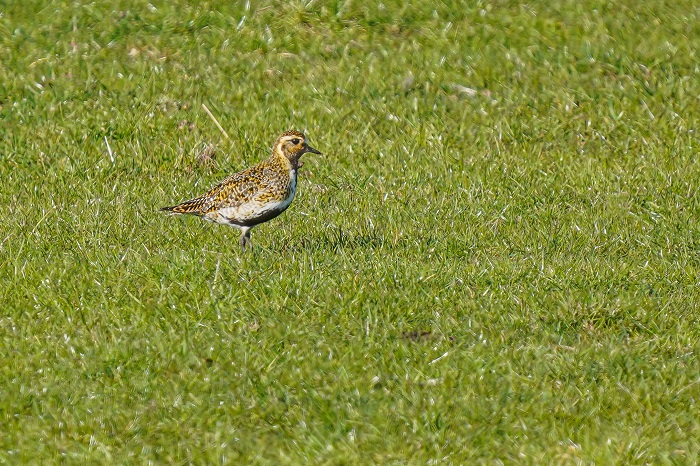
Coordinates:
255 195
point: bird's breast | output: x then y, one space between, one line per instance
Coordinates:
289 194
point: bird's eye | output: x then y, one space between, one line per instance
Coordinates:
295 141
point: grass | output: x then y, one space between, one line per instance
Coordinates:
494 261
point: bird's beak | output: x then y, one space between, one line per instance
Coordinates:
312 150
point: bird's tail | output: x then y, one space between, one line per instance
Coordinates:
193 206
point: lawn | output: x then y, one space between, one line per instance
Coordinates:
495 260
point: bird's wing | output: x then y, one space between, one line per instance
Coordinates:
235 190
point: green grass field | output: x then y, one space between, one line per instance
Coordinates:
496 260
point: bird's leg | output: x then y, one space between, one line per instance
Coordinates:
245 239
243 242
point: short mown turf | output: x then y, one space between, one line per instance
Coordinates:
496 260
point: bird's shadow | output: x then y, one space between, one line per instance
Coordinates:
334 240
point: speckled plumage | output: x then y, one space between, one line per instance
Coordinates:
255 195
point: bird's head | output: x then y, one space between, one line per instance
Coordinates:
292 145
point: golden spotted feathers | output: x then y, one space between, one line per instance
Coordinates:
254 195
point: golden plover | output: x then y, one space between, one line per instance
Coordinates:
255 195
